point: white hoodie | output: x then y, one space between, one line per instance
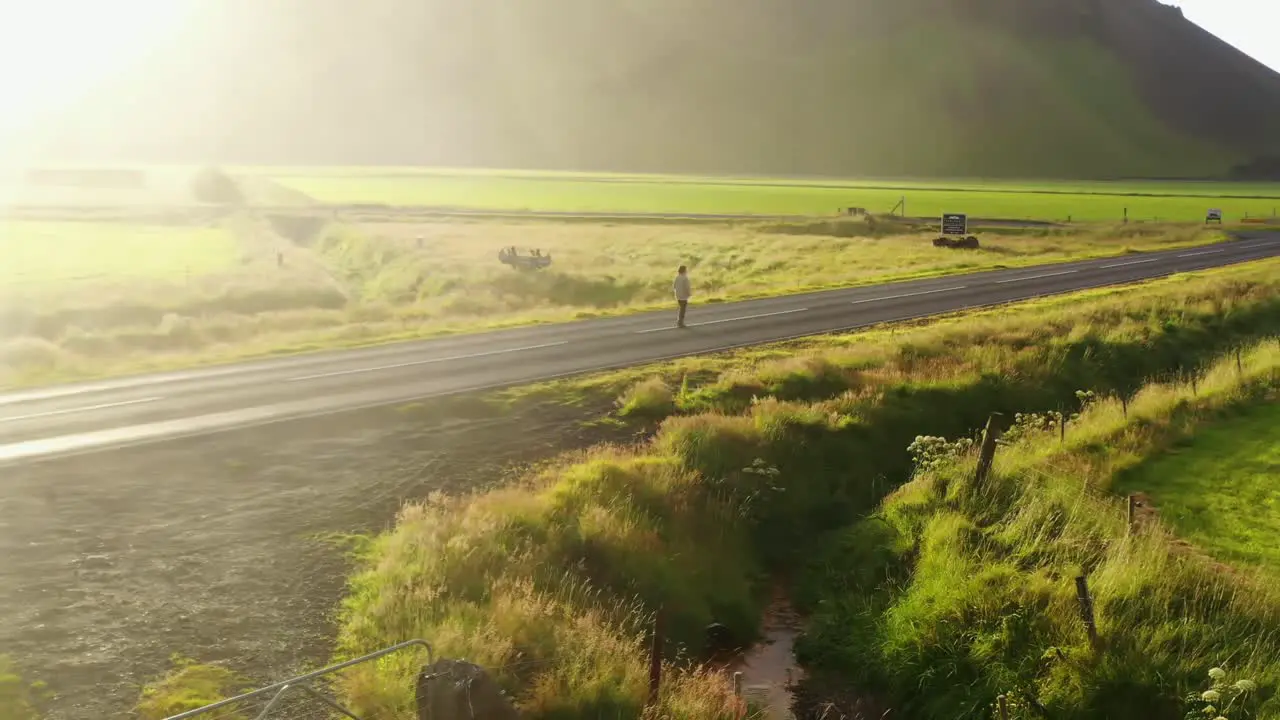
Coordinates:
682 288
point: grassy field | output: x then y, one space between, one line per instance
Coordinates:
49 254
764 464
1038 200
1217 488
123 295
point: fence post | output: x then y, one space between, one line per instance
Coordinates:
1086 610
1239 364
987 455
655 659
1062 427
1195 382
1004 707
1132 514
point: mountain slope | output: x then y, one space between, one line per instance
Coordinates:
1070 88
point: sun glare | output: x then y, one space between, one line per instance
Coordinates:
54 52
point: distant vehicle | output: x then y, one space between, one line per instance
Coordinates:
523 258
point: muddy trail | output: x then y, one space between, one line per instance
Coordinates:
211 547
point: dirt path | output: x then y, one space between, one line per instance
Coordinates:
110 563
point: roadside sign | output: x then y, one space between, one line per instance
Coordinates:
1214 215
955 224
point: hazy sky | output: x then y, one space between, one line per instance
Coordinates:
1247 24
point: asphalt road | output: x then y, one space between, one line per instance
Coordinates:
82 417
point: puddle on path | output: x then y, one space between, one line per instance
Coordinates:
769 667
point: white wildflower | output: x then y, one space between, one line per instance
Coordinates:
1217 673
1211 696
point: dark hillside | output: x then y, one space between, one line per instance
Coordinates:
1069 88
1201 85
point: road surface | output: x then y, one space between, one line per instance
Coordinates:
82 417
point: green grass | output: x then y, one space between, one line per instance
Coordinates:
1035 200
189 686
43 253
985 605
365 280
1218 487
770 461
19 699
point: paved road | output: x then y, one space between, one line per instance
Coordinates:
75 418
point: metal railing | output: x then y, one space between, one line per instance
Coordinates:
302 684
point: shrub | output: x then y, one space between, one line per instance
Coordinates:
214 186
651 398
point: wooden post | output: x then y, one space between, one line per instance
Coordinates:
655 660
1062 427
1126 215
1004 707
279 259
1124 405
1086 609
740 707
1132 513
987 455
1239 364
1195 383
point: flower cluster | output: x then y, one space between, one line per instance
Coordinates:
929 452
1028 424
1223 700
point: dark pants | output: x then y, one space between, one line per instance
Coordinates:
684 305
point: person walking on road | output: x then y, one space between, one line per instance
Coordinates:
682 291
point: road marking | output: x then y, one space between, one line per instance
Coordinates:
1036 277
431 361
86 408
1202 252
1131 262
725 320
907 295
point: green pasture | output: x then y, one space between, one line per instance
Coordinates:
1034 200
44 252
1221 488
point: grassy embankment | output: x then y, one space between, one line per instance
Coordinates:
98 298
568 192
953 593
765 457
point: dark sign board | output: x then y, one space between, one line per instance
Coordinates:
955 224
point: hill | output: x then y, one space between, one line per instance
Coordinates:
1065 88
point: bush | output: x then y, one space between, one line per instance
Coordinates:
651 398
214 186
